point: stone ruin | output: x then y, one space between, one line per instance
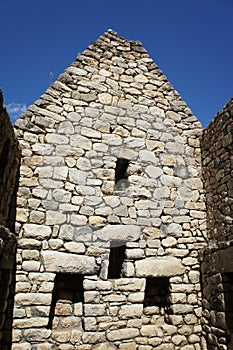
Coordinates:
122 213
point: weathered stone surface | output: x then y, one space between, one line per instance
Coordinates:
97 285
74 247
131 311
33 298
69 263
104 346
37 335
117 234
110 117
37 231
121 334
159 267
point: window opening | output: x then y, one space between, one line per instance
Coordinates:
68 289
121 174
157 292
116 259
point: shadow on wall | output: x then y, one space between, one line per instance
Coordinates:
9 170
217 266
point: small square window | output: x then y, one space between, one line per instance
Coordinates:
157 292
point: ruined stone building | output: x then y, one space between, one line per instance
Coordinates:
121 207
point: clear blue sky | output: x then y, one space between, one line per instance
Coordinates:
190 40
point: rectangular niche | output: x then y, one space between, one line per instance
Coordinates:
157 292
121 174
116 259
227 282
67 298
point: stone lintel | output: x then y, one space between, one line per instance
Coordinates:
68 263
159 267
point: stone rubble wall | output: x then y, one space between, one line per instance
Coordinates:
217 158
217 155
9 161
112 103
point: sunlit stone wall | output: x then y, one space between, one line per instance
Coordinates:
111 211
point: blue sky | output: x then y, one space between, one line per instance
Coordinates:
190 40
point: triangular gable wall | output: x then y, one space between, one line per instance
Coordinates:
111 112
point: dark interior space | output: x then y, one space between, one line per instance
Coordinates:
68 287
121 175
116 258
157 292
227 281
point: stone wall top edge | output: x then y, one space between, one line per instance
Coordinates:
228 108
6 127
109 37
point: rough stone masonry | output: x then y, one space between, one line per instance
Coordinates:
110 173
111 211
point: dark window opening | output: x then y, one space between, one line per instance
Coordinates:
67 287
4 158
121 174
157 292
227 281
116 258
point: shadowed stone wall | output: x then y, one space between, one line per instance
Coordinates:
9 161
217 268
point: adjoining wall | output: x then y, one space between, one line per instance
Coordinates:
217 267
111 212
9 161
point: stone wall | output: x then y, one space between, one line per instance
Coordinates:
9 161
217 267
111 212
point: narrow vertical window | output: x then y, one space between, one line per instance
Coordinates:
121 174
116 258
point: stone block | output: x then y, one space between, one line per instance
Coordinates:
94 310
61 336
97 285
131 311
22 346
32 322
129 284
31 265
159 267
121 334
74 247
104 346
37 231
117 234
27 299
69 263
93 337
37 335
